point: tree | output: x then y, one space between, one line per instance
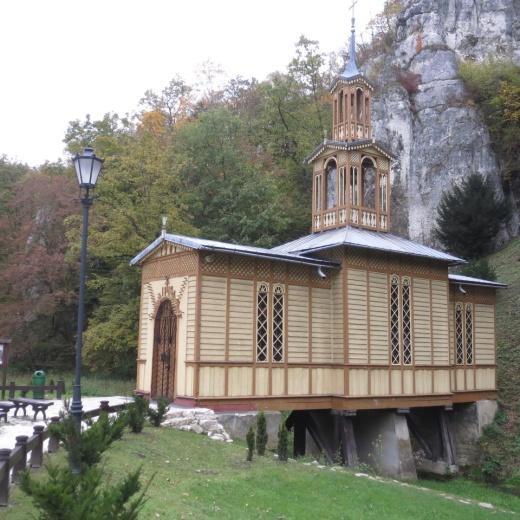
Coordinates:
469 217
250 440
261 433
283 443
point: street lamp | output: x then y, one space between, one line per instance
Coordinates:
88 167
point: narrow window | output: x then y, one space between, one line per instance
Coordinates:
459 335
469 334
342 186
262 322
354 192
407 322
383 192
278 323
394 320
368 183
359 103
335 112
317 192
330 175
367 122
341 107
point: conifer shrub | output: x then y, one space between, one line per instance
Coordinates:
250 440
64 495
469 217
480 269
85 449
137 412
261 434
156 415
283 443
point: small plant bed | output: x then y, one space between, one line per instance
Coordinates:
196 477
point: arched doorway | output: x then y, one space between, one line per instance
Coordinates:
164 350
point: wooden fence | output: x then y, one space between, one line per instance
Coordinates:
14 461
12 387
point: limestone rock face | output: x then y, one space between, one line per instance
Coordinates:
437 135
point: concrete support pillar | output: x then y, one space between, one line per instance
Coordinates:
383 441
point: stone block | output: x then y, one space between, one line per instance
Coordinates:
238 424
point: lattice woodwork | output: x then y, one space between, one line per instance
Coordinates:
242 266
171 266
298 273
278 270
407 321
469 333
355 157
263 269
278 332
459 335
473 295
394 320
214 264
382 164
262 326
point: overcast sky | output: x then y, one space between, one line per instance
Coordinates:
63 59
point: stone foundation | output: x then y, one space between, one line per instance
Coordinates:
238 424
197 420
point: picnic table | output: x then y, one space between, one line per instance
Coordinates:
38 405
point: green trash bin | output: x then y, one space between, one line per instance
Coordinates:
38 381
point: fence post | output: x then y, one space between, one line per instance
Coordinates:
21 441
54 443
60 388
12 386
4 480
103 406
37 451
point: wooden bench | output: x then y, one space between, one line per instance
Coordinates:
5 406
38 405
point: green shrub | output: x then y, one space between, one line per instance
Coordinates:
156 415
480 269
137 412
64 495
261 433
86 449
250 439
283 443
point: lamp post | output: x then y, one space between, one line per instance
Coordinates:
4 361
88 167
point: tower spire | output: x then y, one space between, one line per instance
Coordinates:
351 68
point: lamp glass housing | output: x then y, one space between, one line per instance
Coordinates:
88 167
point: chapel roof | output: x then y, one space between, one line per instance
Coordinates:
331 144
364 239
202 244
459 279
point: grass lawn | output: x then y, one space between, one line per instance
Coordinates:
92 385
196 477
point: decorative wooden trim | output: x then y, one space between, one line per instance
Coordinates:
198 301
226 346
344 278
309 303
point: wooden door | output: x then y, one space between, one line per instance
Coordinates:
164 351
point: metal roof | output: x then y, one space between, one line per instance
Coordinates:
202 244
348 145
468 280
361 238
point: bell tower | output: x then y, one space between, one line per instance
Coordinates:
351 171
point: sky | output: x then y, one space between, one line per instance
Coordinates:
63 59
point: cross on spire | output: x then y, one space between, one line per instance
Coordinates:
351 68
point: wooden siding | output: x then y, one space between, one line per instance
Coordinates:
379 309
337 318
321 326
213 319
422 323
484 334
241 323
441 338
357 316
298 324
190 318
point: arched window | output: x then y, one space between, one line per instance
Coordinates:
262 326
330 174
368 183
278 318
401 342
342 187
469 334
341 107
459 334
354 186
359 105
394 321
317 192
383 192
463 333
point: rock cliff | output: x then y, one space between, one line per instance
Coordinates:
421 110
